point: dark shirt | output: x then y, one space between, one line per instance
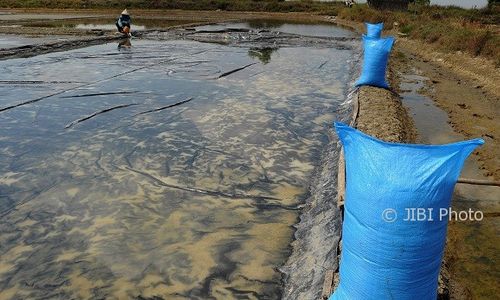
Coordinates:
123 20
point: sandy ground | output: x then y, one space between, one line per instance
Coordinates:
473 111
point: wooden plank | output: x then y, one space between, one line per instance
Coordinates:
355 110
327 285
478 182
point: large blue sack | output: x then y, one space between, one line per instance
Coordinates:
383 255
374 31
375 57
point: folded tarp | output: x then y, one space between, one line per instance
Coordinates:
383 255
374 31
375 57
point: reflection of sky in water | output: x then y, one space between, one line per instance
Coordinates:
276 25
12 41
192 201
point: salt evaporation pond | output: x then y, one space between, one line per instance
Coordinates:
191 201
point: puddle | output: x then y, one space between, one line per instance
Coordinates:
430 120
315 30
183 178
476 246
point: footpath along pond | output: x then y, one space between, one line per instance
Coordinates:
172 169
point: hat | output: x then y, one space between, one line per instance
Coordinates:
125 12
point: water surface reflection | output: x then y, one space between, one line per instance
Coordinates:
172 183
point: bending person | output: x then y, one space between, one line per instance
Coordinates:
124 22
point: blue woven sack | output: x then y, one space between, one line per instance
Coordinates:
375 57
374 31
386 255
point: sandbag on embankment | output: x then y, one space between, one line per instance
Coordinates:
385 256
374 31
375 57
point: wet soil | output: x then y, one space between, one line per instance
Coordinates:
465 87
469 270
472 109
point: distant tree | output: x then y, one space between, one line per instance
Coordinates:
492 3
389 4
422 2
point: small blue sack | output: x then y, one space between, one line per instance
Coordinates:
383 255
375 57
374 31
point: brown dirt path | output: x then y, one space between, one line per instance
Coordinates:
473 110
466 87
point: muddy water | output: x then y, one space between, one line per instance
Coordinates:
139 172
474 245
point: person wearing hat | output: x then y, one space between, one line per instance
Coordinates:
123 23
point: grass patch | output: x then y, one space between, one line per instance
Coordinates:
449 28
229 5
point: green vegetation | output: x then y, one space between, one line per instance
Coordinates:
449 28
230 5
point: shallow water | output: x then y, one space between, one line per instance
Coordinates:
476 248
193 201
316 30
12 41
104 26
104 23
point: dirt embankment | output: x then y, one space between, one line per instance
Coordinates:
38 49
465 87
462 86
472 104
381 114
